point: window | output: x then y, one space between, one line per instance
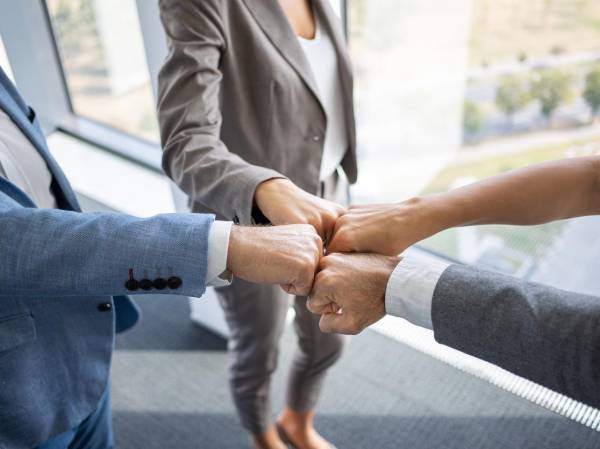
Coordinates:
4 62
103 59
451 92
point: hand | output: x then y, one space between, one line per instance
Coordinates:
285 255
349 291
282 202
382 228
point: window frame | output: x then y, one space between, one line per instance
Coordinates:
27 30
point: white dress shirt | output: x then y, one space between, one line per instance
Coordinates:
323 60
410 288
22 165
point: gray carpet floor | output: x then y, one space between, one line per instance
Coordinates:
170 390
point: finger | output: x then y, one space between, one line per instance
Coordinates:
334 322
319 302
320 308
339 242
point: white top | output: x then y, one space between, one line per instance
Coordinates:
409 292
22 165
323 60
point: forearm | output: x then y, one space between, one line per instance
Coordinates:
189 113
533 195
59 253
210 175
547 335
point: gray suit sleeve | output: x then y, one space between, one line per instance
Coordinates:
190 116
547 335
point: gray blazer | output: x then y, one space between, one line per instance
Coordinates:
238 102
547 335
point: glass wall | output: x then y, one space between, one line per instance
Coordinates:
451 92
104 63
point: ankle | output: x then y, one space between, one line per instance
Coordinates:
268 440
296 422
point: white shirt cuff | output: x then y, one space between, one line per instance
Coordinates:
218 246
409 292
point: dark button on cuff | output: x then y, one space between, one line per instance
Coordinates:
105 307
174 282
146 284
132 285
160 284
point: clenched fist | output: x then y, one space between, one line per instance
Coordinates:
349 291
383 228
282 202
285 255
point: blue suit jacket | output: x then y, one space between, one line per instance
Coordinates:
63 287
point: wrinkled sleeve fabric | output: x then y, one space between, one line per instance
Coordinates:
190 116
544 334
48 252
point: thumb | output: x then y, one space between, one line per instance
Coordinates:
334 322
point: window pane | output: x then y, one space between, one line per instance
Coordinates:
4 63
451 92
103 58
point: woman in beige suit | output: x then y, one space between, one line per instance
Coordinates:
257 124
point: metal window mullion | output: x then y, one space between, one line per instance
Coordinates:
28 38
153 35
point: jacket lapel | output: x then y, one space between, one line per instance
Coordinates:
274 23
15 193
12 103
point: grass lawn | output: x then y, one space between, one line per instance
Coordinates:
485 168
529 241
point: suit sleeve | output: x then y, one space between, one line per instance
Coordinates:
547 335
48 252
190 116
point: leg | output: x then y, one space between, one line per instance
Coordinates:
256 316
316 353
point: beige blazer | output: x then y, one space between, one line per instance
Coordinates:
238 102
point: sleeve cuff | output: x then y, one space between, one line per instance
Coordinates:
218 247
409 292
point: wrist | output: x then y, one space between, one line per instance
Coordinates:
386 268
433 214
237 248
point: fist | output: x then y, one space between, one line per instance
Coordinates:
349 291
285 255
382 228
282 202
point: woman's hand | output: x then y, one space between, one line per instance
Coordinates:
384 228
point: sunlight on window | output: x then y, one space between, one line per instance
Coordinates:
102 52
451 92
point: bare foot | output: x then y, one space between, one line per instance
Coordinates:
268 440
298 427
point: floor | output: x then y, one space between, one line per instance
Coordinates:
170 391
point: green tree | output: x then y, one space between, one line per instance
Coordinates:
512 94
551 87
472 118
591 92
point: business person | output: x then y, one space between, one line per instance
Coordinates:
64 274
544 334
256 118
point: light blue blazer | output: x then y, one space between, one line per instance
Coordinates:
63 280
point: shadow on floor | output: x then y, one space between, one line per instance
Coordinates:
193 431
165 325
